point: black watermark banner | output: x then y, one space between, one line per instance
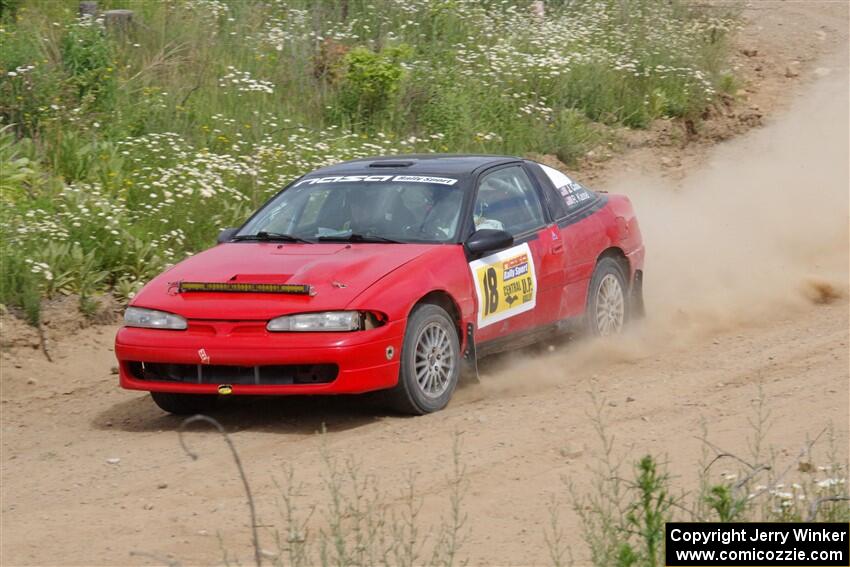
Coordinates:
759 544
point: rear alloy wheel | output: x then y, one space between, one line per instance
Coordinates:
185 404
607 299
430 363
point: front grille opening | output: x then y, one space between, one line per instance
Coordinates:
222 374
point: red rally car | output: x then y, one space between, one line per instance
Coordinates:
388 273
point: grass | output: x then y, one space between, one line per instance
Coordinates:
357 523
131 149
623 517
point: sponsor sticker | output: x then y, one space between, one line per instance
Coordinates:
574 194
505 283
424 179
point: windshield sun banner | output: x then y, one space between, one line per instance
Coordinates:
376 179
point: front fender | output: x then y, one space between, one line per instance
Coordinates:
444 269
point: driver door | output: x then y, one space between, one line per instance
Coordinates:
517 289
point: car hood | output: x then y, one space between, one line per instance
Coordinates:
338 272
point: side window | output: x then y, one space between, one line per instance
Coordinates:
574 195
507 200
554 201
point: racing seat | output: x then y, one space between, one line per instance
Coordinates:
400 217
438 221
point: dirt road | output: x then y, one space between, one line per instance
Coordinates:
747 280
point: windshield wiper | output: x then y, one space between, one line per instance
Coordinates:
356 237
271 237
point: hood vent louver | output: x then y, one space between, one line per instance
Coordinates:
391 164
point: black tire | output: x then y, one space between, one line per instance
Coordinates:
409 395
608 272
185 404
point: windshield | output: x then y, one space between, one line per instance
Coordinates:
374 208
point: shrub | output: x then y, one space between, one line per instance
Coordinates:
19 286
370 81
31 88
87 58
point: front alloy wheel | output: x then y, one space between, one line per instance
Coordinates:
429 362
433 360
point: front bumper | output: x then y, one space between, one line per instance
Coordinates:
360 356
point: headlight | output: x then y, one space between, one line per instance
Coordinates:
152 319
327 321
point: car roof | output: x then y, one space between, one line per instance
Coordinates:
457 164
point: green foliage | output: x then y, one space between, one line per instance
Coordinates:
625 526
87 59
9 8
19 286
723 502
88 306
73 270
30 85
134 149
728 83
370 81
647 514
17 173
623 521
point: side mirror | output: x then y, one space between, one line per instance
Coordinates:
226 234
488 240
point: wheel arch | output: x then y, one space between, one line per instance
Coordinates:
616 253
444 299
469 357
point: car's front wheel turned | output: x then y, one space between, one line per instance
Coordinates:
184 404
607 299
430 362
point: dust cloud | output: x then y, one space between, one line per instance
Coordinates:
759 232
761 227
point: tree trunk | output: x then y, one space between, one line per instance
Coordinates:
118 21
88 8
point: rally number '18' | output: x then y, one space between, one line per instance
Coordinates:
491 291
505 284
